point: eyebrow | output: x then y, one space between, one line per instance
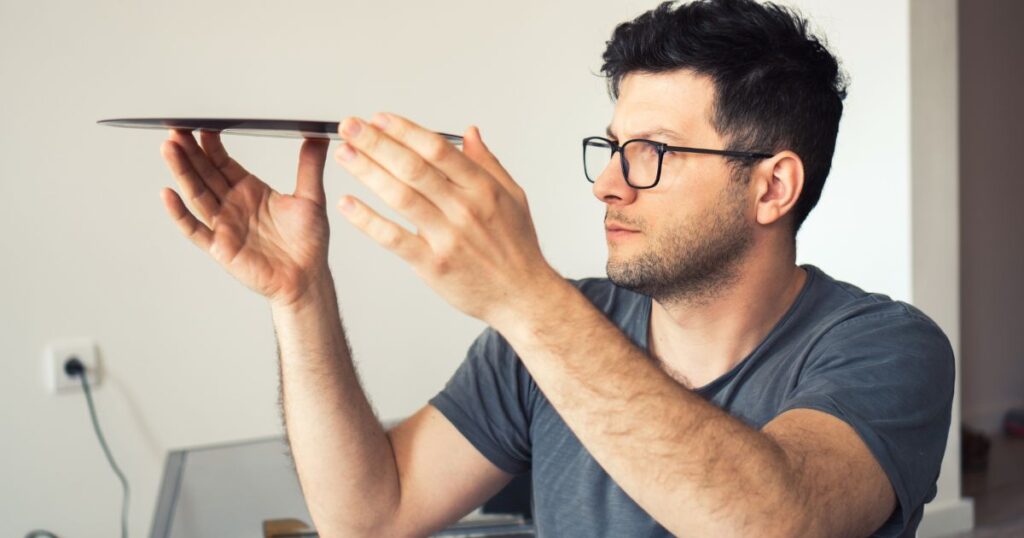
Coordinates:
657 131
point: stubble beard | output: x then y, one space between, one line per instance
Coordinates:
693 261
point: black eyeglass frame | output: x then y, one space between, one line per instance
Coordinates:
662 150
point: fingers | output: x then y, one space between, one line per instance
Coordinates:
386 233
474 148
196 190
189 226
409 202
206 171
432 147
229 168
399 161
310 181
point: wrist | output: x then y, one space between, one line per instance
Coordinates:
536 305
317 288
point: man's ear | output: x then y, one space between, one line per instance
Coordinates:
779 182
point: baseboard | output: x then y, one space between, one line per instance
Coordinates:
947 518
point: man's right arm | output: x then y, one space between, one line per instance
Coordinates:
354 482
359 480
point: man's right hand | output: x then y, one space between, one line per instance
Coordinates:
276 244
357 479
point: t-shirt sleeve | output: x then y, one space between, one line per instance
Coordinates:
890 377
488 401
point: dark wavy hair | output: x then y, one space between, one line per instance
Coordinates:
777 86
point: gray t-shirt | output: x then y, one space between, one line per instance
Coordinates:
880 365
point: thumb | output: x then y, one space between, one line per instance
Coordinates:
310 181
474 147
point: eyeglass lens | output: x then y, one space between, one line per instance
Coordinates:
641 166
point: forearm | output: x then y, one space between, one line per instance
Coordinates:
343 457
694 468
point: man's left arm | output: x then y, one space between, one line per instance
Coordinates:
697 470
694 468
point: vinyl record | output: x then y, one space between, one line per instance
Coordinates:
244 126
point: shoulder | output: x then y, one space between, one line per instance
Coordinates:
857 329
885 368
845 310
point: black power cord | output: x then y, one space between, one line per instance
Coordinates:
74 367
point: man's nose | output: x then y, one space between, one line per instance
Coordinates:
611 187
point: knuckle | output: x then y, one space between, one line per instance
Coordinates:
372 144
520 195
441 264
202 196
489 201
478 211
398 126
405 200
437 148
463 214
368 139
445 246
219 161
389 237
415 169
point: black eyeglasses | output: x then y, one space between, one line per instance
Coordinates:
641 158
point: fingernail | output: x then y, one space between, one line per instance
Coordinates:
346 153
352 127
380 120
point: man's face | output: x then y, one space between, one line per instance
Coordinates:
694 227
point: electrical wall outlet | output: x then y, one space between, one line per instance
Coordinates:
59 353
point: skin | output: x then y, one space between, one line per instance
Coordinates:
703 320
695 469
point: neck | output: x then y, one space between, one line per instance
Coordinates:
698 341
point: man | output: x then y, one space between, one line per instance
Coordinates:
708 387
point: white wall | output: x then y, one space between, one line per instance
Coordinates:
935 222
860 230
188 352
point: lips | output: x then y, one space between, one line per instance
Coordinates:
617 232
611 227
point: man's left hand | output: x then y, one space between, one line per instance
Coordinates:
475 243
